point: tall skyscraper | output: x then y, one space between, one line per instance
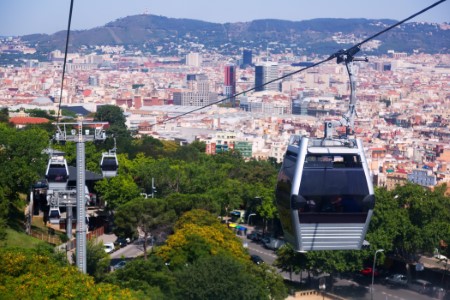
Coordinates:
264 73
229 85
246 58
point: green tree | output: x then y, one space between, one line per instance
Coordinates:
198 217
4 115
21 163
28 274
195 238
334 262
229 195
190 152
150 277
39 113
289 260
182 203
148 146
146 216
219 277
117 190
201 146
97 260
117 127
272 280
111 114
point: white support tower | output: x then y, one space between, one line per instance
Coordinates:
80 136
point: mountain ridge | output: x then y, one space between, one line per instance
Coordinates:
315 35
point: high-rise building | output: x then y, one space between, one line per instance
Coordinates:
264 73
197 94
246 58
229 85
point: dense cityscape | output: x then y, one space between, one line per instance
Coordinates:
403 108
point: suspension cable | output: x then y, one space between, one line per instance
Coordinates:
65 61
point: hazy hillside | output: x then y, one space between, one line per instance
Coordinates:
318 35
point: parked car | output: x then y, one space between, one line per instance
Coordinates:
257 259
397 279
274 244
109 247
368 272
122 242
255 236
119 265
421 286
265 240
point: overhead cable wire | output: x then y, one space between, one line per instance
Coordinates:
339 55
65 61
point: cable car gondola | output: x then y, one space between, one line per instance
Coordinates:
54 215
109 163
57 173
324 192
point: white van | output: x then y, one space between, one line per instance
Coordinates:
109 247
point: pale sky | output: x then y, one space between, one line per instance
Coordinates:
20 17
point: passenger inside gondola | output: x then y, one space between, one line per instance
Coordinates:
57 174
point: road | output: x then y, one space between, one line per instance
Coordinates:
352 286
128 252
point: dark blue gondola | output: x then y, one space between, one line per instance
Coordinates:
57 173
54 215
109 164
325 194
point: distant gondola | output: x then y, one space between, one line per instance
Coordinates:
109 164
54 215
57 173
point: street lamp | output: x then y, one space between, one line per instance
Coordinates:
373 270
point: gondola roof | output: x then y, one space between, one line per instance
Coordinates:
89 176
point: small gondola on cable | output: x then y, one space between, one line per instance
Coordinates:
324 193
57 173
54 215
109 163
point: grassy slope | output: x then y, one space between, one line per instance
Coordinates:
19 239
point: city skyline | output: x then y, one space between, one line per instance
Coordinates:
22 17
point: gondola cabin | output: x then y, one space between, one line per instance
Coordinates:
54 215
109 164
57 173
325 194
